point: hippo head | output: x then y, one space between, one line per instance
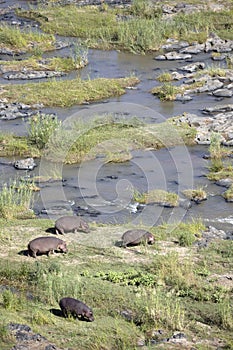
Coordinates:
150 239
88 315
63 247
84 226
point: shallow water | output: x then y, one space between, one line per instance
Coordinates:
104 192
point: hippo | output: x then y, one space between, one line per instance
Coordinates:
136 237
76 308
45 245
71 224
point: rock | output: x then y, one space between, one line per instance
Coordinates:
28 75
211 85
183 98
173 55
177 76
209 235
222 93
174 45
27 339
217 109
160 58
220 123
25 164
10 111
194 49
193 67
214 43
218 57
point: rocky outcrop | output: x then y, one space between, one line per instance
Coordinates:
220 123
26 339
9 111
27 75
25 164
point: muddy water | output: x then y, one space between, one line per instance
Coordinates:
104 192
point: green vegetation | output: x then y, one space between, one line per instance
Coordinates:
157 196
16 40
11 145
228 194
68 92
133 291
40 128
64 64
196 195
219 169
144 30
16 200
85 140
167 91
165 77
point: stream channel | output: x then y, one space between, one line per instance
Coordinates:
102 192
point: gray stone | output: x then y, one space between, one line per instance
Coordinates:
210 85
224 182
173 55
33 75
25 164
222 93
193 67
160 58
193 49
183 98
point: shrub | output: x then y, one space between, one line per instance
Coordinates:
16 199
41 127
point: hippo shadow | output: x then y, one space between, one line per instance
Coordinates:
51 230
118 244
56 312
59 313
23 252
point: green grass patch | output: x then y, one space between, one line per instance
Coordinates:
228 194
105 136
157 196
132 291
68 92
144 30
16 40
16 200
11 145
65 64
167 91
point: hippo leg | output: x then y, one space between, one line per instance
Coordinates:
61 232
33 254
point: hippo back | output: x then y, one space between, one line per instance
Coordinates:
134 236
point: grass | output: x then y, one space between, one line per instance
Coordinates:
17 40
164 286
68 92
165 77
167 91
64 64
228 194
196 195
157 196
40 129
144 30
11 145
16 200
103 136
219 169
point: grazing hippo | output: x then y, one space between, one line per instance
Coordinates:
71 224
76 308
45 245
135 237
